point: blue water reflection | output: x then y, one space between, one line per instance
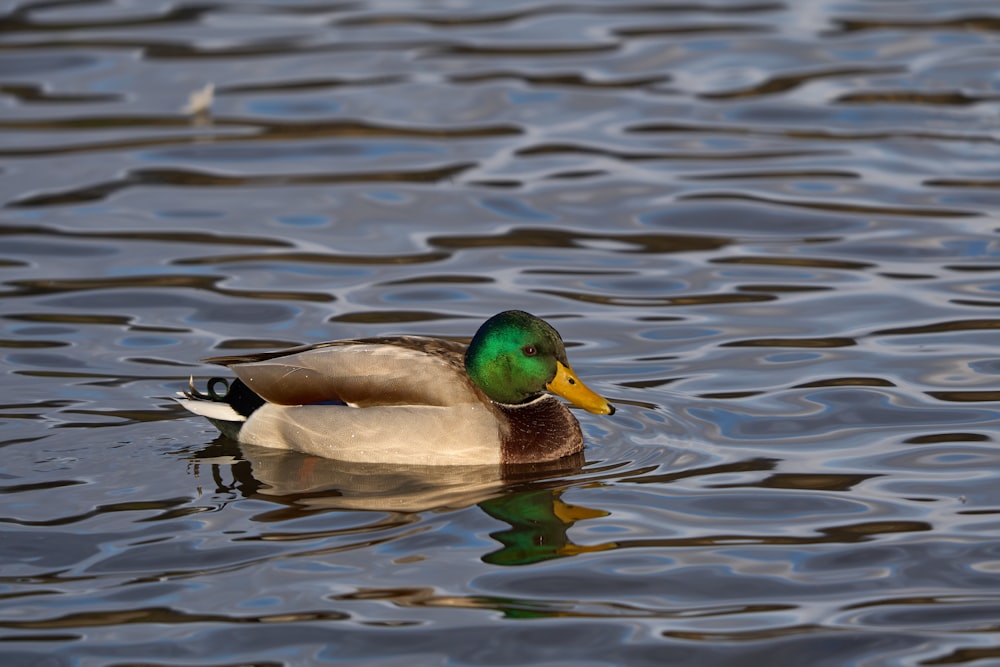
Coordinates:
766 231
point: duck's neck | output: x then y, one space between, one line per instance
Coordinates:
540 430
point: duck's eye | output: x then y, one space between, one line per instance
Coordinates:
529 350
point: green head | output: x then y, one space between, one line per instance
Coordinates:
516 356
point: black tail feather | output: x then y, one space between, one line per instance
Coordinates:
235 393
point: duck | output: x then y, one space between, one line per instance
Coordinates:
408 400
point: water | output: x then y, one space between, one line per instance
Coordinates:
767 230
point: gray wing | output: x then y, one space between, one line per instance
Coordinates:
405 371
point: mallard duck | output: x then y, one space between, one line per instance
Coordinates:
409 399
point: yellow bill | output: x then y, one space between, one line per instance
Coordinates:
570 387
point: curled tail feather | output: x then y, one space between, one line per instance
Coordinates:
228 409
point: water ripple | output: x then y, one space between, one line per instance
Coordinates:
765 230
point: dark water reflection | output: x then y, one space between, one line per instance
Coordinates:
767 231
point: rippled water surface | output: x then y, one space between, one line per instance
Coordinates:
767 230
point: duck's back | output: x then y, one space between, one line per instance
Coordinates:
405 370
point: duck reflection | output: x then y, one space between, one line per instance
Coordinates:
539 523
527 497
